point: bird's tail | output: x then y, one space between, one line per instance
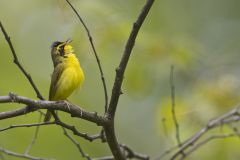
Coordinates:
48 116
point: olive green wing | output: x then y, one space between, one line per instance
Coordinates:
58 70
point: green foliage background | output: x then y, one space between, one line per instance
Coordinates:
200 38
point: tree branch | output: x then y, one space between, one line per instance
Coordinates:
84 155
207 140
34 105
25 156
228 118
26 125
131 154
173 106
95 54
165 153
75 131
192 143
34 136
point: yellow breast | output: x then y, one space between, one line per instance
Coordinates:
70 78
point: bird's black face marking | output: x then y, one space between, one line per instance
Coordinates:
61 50
59 47
55 44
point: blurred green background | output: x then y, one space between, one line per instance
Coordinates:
200 38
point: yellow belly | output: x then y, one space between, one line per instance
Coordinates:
70 80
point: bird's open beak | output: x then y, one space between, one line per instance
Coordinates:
68 41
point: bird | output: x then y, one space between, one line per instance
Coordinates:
67 75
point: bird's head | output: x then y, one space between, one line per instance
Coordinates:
61 50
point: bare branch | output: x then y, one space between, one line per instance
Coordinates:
16 61
26 125
207 140
165 153
131 154
193 143
34 136
173 106
95 53
75 131
11 153
84 155
33 105
228 118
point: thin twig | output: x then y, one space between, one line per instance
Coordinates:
16 61
131 154
84 155
228 118
165 153
34 137
75 131
26 125
64 127
207 140
95 53
173 106
11 153
232 116
58 122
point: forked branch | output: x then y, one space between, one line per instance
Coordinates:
194 142
25 156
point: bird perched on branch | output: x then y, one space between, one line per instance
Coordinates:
67 75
